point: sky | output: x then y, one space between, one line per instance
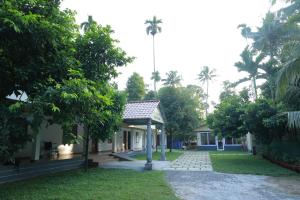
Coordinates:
195 33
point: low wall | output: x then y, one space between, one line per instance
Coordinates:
207 148
233 147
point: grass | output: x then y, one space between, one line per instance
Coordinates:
156 155
243 163
95 184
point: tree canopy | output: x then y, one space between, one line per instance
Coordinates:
65 74
135 87
182 108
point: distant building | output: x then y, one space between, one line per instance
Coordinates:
207 141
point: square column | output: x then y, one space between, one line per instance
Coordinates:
163 146
148 165
36 146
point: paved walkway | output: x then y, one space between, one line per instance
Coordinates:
192 161
189 161
189 185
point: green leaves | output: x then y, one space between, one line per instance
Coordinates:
135 87
182 108
65 74
153 27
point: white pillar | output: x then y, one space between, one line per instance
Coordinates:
216 140
207 138
249 142
148 165
114 142
163 147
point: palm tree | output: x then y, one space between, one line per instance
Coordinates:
152 29
156 76
87 25
206 75
251 66
288 84
173 79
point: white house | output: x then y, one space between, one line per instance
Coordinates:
132 135
209 142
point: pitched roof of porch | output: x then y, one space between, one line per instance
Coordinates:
139 112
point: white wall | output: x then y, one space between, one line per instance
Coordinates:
104 146
137 139
53 133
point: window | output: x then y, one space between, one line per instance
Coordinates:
230 140
207 139
211 139
204 138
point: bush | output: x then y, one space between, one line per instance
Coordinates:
285 151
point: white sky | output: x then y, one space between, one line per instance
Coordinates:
194 33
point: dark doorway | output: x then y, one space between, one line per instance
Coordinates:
220 145
125 139
129 140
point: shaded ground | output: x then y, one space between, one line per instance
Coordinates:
190 185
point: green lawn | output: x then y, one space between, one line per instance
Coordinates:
95 184
243 163
156 155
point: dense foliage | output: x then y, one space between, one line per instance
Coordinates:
65 74
135 87
182 108
273 55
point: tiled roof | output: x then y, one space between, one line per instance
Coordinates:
140 109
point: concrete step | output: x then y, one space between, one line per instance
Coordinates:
122 157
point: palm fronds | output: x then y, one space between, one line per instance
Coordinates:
294 119
288 76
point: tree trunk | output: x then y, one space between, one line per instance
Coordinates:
255 87
154 67
171 146
86 154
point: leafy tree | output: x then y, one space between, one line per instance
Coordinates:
36 45
182 109
227 90
135 87
251 66
261 120
36 51
98 54
206 75
150 95
13 132
153 28
226 117
64 74
173 79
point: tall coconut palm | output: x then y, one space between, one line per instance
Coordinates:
288 84
87 25
205 76
153 28
250 65
173 79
